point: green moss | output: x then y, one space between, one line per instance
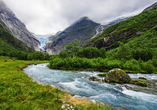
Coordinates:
102 74
135 80
143 78
142 84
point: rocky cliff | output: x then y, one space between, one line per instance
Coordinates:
8 43
17 28
83 30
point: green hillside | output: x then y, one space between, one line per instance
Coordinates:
9 43
137 30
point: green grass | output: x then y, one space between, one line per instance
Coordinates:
20 92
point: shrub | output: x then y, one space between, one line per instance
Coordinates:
154 61
132 65
149 67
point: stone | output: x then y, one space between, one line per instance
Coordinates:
93 79
117 76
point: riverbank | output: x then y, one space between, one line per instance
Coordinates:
95 70
19 91
103 64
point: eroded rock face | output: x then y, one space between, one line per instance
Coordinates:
117 76
17 28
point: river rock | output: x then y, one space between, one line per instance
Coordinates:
117 76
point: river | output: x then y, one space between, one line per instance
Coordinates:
77 83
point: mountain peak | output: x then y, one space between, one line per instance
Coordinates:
84 18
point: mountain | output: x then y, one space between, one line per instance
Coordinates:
150 7
16 27
130 30
8 43
101 28
83 30
44 39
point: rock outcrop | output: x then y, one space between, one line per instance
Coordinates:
83 30
117 76
17 28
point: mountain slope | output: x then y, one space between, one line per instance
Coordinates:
82 30
9 43
125 31
16 27
101 28
150 7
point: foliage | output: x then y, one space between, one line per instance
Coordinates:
132 65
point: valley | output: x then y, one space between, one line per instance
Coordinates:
87 65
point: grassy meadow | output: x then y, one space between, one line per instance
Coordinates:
20 92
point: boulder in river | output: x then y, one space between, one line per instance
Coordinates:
117 76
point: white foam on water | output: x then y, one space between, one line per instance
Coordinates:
140 95
148 76
77 83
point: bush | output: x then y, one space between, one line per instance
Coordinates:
132 65
114 64
149 67
154 61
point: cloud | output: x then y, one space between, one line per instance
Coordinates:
50 16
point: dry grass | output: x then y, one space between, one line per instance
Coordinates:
76 101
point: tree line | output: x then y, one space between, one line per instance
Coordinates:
22 55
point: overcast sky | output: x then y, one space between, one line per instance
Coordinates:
51 16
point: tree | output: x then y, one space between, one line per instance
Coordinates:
29 57
47 56
76 47
124 52
63 54
103 52
39 55
72 49
69 49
